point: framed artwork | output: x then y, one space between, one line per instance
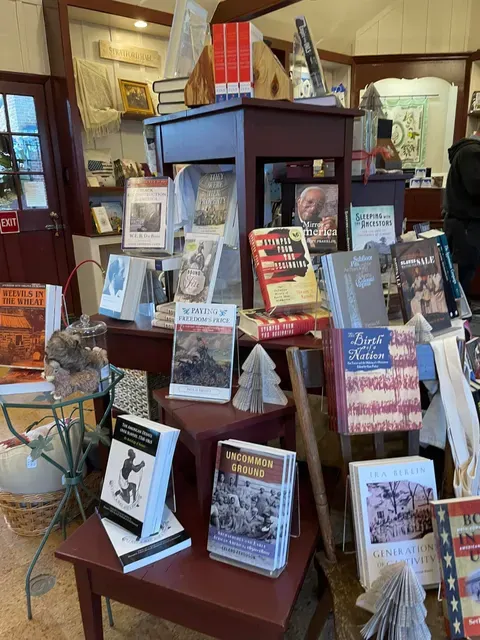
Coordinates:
136 97
409 132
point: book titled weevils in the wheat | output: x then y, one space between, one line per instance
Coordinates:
202 361
137 474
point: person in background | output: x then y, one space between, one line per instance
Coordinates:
462 207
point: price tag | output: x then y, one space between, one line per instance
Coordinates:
31 464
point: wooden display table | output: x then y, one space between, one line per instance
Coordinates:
189 588
203 424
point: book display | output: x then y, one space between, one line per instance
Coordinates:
374 228
316 211
122 289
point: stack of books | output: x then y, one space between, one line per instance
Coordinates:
252 505
171 96
140 526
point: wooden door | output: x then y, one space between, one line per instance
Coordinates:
42 251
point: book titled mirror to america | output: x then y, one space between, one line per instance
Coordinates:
203 351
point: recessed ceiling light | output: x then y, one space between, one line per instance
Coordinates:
141 24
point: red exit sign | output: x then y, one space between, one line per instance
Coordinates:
9 222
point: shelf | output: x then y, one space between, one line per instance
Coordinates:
105 190
474 114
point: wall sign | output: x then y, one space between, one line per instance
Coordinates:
133 55
9 222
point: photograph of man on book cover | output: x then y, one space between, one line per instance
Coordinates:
316 210
145 217
398 511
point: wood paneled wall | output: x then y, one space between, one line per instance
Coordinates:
418 26
23 46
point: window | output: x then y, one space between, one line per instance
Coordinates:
22 182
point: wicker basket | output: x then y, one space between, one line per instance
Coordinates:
29 515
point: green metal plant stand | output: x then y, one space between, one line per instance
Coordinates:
68 414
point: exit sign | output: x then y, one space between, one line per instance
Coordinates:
9 222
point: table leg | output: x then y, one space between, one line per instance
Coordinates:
90 605
288 440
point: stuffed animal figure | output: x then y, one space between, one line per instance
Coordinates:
71 366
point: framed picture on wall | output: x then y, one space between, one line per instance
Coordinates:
136 97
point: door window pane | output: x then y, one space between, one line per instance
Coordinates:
6 163
8 195
27 153
3 117
34 193
21 114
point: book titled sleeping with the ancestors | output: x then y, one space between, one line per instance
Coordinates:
376 380
391 501
251 506
203 347
137 475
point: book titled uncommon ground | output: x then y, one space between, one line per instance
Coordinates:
137 475
251 507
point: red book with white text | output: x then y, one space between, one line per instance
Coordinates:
219 62
258 324
247 35
231 52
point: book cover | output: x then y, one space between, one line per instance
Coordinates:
374 228
263 326
134 552
248 33
216 197
231 53
377 380
129 474
420 283
23 381
355 289
316 211
457 534
284 268
115 214
202 361
473 356
148 210
311 57
23 310
393 519
198 272
219 62
115 285
101 220
245 509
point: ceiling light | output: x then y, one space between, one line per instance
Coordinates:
141 24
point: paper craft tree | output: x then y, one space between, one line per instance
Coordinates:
399 608
258 383
423 329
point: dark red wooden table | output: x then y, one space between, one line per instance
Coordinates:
203 424
189 588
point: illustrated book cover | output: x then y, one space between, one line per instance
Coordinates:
134 552
216 203
148 215
199 268
376 380
29 314
316 211
13 381
101 220
284 268
251 505
137 474
123 287
203 348
115 214
456 525
420 283
392 516
354 287
373 227
263 326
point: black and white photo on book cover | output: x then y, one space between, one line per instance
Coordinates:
316 211
114 287
146 214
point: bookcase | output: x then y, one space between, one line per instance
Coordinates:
249 133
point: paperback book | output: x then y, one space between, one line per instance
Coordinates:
284 269
115 214
216 205
457 534
203 349
29 314
260 325
137 474
374 379
101 220
251 506
420 283
199 268
14 381
149 215
392 517
450 281
311 57
316 211
354 286
374 228
134 552
123 286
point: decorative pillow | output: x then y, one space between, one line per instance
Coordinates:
99 164
19 475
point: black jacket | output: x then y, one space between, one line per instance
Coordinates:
462 196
